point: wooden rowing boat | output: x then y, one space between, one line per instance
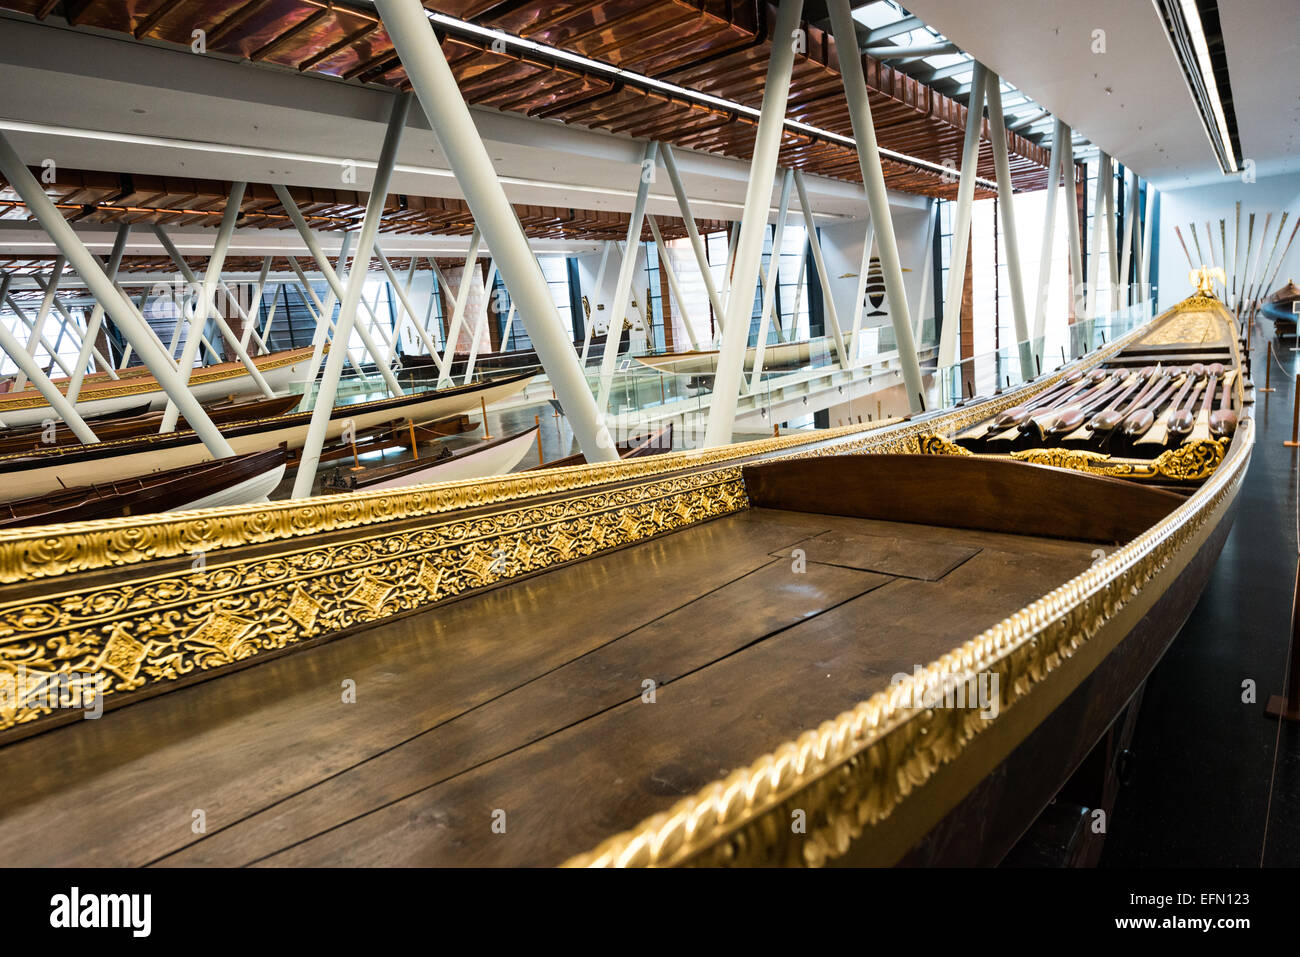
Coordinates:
653 443
515 359
780 355
144 424
231 481
481 460
1280 307
51 468
101 396
898 640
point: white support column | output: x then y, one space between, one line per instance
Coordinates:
324 319
204 307
626 268
1049 235
510 321
961 229
773 280
40 381
96 320
1112 230
1150 217
88 267
1006 199
697 244
431 78
480 328
873 178
753 224
1098 227
336 286
324 404
270 318
321 313
1130 214
1074 239
38 326
832 319
733 240
667 265
793 329
442 285
458 311
590 324
927 272
250 325
860 296
30 324
222 326
407 309
68 320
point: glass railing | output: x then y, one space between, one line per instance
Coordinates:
1011 366
798 380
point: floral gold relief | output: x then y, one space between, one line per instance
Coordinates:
159 629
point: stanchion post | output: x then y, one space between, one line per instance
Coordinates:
1295 418
483 405
537 421
1287 705
1268 370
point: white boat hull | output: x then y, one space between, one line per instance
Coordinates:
279 380
255 489
778 354
23 483
494 461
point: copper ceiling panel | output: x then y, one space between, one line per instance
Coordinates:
719 47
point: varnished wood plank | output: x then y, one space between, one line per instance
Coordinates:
962 492
888 555
573 788
122 790
689 639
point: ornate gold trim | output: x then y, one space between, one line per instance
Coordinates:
157 630
1192 462
854 771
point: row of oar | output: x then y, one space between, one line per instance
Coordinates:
1102 403
1254 274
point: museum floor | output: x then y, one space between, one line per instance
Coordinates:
1215 782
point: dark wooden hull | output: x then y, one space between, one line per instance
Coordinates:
145 495
655 443
146 424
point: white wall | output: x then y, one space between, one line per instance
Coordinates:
1183 207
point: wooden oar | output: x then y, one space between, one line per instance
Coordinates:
1201 430
1114 414
1223 421
1046 417
1074 415
1140 419
1160 432
1018 413
1179 422
1179 233
1085 430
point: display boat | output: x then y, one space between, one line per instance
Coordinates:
482 459
876 644
104 396
238 480
52 467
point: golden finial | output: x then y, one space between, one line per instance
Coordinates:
1204 279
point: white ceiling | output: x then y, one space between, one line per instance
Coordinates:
1132 100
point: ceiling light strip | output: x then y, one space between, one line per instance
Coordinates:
507 40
